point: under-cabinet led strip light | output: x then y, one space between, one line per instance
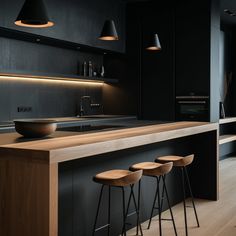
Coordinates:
52 79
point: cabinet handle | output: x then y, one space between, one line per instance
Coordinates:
192 102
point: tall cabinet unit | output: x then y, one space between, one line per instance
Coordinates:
151 71
187 63
197 52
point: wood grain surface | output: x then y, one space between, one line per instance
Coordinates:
79 146
28 197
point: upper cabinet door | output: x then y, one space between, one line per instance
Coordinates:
78 21
158 66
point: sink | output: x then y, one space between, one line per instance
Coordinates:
85 128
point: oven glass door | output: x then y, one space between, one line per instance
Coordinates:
192 110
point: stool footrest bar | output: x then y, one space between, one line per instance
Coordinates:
102 227
132 213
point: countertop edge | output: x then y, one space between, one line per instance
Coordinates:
92 149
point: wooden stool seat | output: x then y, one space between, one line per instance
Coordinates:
118 177
152 168
179 161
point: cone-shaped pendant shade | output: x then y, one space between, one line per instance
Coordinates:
33 14
154 43
109 31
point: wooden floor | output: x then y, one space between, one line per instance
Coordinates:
216 218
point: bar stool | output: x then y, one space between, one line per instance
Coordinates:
120 179
157 171
182 163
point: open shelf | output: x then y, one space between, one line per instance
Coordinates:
227 120
40 39
46 76
227 138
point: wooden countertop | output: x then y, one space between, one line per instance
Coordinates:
79 146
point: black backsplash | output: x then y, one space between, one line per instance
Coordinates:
47 98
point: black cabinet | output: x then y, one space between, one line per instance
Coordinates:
192 48
157 75
188 63
151 72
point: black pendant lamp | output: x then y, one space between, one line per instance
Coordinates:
109 31
33 14
154 43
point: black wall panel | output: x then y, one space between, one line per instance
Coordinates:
232 93
151 71
158 66
47 99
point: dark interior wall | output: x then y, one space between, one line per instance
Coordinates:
79 21
214 60
117 98
232 94
76 21
226 68
26 57
47 99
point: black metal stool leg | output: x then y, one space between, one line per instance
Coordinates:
159 205
163 193
185 212
124 212
99 203
191 193
128 204
153 205
168 202
109 211
137 212
127 210
139 197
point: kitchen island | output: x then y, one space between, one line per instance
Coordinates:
46 186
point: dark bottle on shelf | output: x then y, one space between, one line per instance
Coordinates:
85 69
90 69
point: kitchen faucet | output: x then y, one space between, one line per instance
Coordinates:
81 104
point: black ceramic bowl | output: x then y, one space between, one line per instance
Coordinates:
35 128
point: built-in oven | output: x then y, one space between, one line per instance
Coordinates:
192 108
